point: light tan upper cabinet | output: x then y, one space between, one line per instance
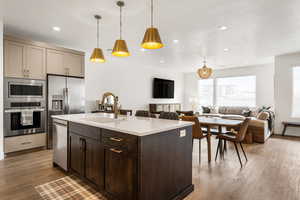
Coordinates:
55 62
35 62
64 63
14 59
24 61
74 64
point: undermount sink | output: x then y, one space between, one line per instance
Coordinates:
102 119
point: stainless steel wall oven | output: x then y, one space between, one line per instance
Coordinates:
24 106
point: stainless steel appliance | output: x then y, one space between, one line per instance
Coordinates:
65 96
60 143
24 106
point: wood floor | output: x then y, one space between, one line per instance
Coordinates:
272 172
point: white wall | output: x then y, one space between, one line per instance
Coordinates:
284 91
133 84
264 83
1 89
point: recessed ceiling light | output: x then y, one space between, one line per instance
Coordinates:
223 28
56 28
226 49
175 41
142 49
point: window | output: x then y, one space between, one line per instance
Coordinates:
206 92
236 91
296 92
228 91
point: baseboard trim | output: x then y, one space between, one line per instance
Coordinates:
184 193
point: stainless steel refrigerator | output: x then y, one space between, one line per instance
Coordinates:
65 95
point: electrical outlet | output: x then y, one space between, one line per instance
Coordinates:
182 133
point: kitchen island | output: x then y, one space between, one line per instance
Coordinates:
131 158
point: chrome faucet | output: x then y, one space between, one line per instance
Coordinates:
116 100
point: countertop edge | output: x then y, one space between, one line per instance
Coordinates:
102 125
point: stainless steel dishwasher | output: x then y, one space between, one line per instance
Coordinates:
60 143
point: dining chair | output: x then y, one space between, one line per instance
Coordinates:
234 138
199 134
185 113
144 113
169 115
124 112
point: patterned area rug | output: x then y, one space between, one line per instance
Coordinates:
68 188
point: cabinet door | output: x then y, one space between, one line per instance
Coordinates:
14 59
94 161
76 155
35 62
74 64
55 62
120 174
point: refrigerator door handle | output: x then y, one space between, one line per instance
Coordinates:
66 101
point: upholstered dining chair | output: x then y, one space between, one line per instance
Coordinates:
235 138
199 134
169 115
124 112
144 113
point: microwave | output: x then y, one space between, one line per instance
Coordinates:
23 90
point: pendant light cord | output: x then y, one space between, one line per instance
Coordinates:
97 33
151 13
121 23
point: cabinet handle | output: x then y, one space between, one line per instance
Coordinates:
83 145
67 71
26 143
115 150
24 72
116 139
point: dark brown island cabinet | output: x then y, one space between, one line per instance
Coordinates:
128 167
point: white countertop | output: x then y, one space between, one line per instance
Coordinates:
139 126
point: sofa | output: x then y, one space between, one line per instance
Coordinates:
259 129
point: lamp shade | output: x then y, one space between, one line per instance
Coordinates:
120 49
152 39
204 72
97 56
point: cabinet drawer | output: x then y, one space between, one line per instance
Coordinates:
19 143
119 140
86 131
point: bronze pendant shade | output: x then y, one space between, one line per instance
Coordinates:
120 48
97 55
204 72
152 38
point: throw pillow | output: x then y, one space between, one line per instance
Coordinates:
205 109
214 109
246 113
263 116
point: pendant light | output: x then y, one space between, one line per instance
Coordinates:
152 38
204 72
97 55
120 48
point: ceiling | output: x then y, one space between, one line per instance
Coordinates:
257 29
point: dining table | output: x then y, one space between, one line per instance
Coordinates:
212 122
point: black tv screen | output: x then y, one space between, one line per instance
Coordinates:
163 89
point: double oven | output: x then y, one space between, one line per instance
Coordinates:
24 106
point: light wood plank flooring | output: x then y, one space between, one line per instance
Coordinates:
272 172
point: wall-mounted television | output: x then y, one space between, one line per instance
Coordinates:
163 89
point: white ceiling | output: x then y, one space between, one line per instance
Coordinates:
257 29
